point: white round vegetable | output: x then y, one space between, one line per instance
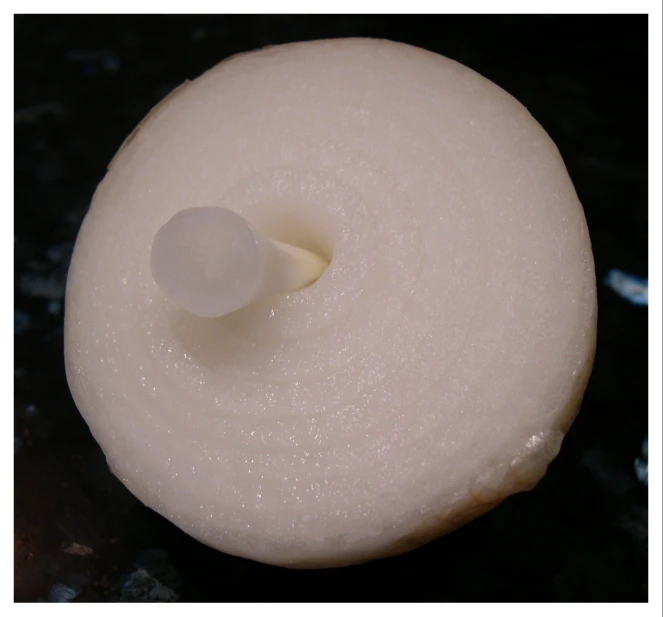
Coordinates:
432 369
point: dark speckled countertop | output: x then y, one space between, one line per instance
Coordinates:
83 83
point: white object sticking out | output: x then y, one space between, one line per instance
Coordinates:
211 262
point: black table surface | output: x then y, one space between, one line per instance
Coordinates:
83 82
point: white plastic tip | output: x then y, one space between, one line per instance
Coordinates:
211 262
